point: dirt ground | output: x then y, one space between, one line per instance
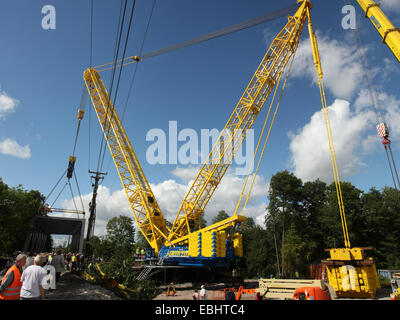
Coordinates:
215 292
73 287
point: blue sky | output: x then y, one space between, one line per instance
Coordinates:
41 84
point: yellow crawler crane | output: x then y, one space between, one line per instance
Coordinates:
212 246
265 79
208 246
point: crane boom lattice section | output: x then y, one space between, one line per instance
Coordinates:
241 120
146 211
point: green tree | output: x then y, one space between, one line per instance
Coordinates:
222 215
121 231
285 200
17 207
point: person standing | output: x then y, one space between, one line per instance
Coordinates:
203 293
195 295
58 264
10 287
32 279
29 260
73 261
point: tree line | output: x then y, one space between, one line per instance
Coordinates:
302 220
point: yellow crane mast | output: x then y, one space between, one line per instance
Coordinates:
146 211
390 35
241 120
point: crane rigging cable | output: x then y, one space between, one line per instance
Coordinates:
120 70
108 130
241 26
116 53
382 127
265 141
135 70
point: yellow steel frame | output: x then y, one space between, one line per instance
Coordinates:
147 213
250 104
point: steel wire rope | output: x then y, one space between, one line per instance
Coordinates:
90 65
374 98
59 194
135 70
116 53
266 140
120 70
59 180
231 29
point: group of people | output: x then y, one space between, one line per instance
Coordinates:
21 283
202 295
25 278
142 253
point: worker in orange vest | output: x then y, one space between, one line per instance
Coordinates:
11 284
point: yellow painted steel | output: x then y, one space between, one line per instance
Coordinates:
241 120
195 244
238 244
146 211
390 35
353 278
318 66
349 272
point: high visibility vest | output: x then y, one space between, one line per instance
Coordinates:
13 291
142 251
73 258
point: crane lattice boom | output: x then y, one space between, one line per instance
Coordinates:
147 213
241 120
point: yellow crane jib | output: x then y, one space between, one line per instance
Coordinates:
350 272
241 120
147 212
390 35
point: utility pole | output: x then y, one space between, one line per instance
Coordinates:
92 211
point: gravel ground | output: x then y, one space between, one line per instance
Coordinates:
73 287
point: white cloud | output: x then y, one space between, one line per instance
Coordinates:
7 104
388 107
341 65
170 194
12 148
392 5
186 173
310 155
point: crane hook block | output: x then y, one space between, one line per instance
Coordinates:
71 165
80 114
383 130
